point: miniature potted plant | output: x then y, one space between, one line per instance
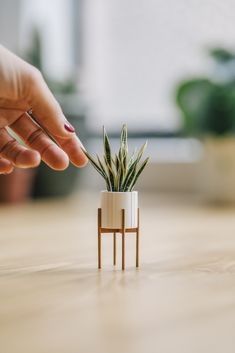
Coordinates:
120 174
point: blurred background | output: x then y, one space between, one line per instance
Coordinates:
166 68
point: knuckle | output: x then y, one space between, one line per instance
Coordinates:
7 146
35 72
32 79
34 137
10 150
34 75
46 149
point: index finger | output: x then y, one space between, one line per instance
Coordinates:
48 114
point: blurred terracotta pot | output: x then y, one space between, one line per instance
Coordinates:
17 186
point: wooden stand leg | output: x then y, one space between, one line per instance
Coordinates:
137 239
123 231
123 239
99 238
114 249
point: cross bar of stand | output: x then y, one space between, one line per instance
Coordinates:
123 232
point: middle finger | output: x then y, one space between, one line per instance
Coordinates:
34 137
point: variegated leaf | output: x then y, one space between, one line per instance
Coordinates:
93 162
111 173
139 171
107 148
105 173
141 151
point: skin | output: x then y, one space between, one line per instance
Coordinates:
22 88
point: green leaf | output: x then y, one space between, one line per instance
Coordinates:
111 174
117 180
141 151
117 163
123 153
101 165
194 98
129 176
93 162
107 148
124 144
105 173
139 171
131 160
122 176
128 181
222 55
124 135
108 157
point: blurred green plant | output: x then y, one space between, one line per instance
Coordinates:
119 172
207 104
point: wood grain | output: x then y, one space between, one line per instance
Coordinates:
54 300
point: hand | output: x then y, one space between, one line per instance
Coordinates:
22 89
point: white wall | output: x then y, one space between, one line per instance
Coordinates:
135 51
53 19
9 23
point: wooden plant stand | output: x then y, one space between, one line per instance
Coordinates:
123 231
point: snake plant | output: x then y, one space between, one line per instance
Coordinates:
119 172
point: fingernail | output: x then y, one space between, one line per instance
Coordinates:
69 127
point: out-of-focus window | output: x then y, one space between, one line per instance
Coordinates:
49 22
127 55
136 50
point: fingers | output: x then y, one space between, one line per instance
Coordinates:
72 147
8 116
18 155
35 94
49 115
34 137
6 167
45 108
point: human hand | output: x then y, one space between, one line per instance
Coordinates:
23 89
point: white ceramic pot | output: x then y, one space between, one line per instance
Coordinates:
112 204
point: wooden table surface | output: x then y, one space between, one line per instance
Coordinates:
54 300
